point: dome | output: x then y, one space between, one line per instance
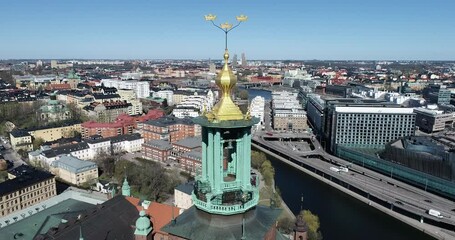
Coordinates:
143 222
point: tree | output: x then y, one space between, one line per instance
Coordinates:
313 224
243 94
257 159
268 172
37 142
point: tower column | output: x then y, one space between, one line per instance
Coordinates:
204 154
217 161
208 161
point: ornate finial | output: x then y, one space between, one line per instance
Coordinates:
226 27
225 109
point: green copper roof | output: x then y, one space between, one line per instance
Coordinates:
203 121
40 222
196 224
143 224
126 190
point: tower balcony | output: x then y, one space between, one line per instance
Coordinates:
226 209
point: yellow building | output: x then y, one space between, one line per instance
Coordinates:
26 187
52 134
74 170
21 140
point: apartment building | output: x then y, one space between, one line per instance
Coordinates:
157 150
25 187
170 129
21 139
74 170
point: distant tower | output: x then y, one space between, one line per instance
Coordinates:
126 190
244 64
234 61
143 227
212 68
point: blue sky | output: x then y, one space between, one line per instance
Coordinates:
277 29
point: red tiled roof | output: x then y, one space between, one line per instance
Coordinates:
160 214
58 86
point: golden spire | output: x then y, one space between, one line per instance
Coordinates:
225 109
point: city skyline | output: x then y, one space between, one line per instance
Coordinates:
352 30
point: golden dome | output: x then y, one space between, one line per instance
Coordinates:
225 109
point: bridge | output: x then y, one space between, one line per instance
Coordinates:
395 198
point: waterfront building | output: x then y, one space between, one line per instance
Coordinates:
425 154
287 112
433 120
350 123
25 186
74 170
257 110
315 113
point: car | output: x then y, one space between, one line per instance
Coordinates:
399 202
428 201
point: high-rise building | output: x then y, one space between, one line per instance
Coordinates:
234 61
244 63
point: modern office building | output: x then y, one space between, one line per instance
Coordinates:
432 120
366 125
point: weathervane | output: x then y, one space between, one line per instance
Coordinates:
226 27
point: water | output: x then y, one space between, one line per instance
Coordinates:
341 217
267 95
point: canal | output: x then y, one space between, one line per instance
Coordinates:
341 216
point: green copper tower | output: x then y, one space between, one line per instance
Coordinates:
225 185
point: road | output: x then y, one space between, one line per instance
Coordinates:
398 194
11 155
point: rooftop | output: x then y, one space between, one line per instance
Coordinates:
186 187
190 142
25 176
73 164
19 133
160 144
168 121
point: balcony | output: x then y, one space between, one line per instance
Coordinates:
226 209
